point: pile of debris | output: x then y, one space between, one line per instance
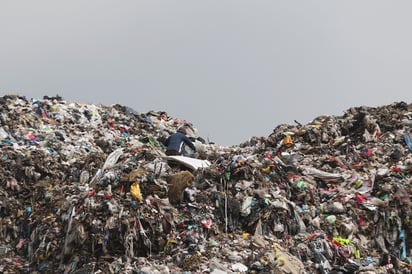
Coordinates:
88 189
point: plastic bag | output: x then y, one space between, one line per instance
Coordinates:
112 158
287 141
135 191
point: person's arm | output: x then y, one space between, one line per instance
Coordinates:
189 142
166 142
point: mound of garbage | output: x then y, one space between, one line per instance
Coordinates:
88 189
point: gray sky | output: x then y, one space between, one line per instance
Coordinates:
235 69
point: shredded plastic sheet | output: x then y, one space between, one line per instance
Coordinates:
192 163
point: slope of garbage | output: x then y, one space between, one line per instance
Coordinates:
88 189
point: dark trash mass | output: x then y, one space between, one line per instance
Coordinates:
89 189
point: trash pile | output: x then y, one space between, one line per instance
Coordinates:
88 189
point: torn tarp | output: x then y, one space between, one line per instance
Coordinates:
191 163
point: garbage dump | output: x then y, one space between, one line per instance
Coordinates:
88 189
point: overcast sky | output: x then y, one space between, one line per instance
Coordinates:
234 69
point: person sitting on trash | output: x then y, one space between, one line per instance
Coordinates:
175 143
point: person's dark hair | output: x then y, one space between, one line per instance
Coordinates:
182 130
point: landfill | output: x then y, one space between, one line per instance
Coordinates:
88 189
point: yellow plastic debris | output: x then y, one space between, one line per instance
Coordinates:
135 191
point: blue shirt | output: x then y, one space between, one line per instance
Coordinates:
177 140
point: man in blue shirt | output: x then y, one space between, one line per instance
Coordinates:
176 142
